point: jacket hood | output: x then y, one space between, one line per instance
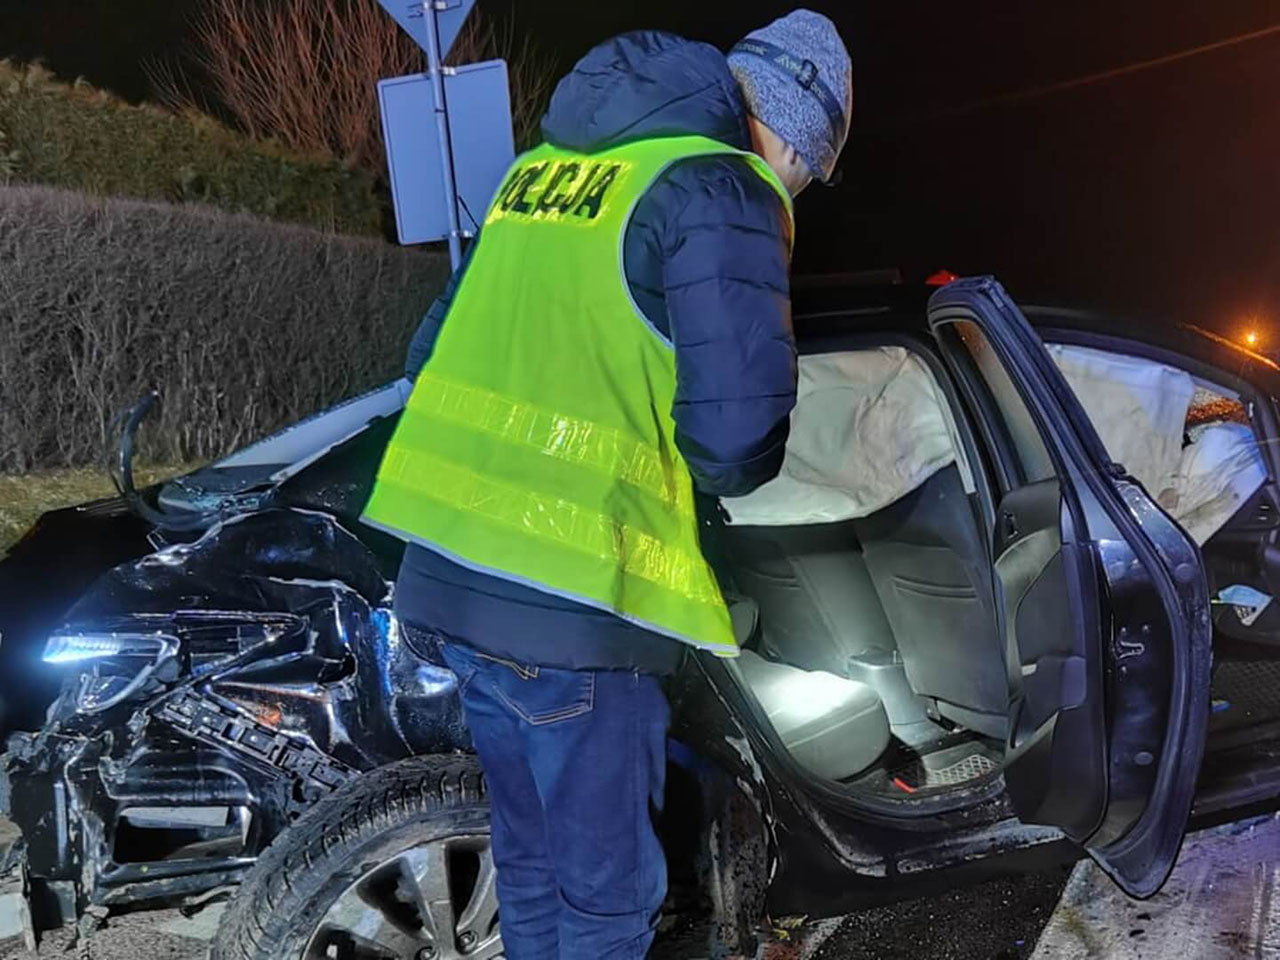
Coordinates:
644 85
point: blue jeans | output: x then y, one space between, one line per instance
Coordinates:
575 763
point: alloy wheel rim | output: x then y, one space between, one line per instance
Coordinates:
434 901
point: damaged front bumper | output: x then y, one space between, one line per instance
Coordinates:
212 691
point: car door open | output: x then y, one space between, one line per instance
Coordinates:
1101 600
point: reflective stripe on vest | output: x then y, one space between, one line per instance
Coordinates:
538 443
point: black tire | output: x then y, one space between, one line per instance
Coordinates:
343 842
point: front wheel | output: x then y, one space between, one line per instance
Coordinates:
396 865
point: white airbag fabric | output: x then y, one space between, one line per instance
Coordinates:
1139 408
868 428
1220 469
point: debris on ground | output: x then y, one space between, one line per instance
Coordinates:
996 920
141 935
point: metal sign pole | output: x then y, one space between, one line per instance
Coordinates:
440 172
435 70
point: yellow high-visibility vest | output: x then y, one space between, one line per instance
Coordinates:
538 443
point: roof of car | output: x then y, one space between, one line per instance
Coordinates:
823 304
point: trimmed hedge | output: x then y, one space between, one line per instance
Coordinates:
243 325
79 138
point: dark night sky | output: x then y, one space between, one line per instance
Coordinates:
1157 192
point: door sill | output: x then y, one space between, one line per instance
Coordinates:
1244 775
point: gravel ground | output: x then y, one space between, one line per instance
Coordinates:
998 920
134 936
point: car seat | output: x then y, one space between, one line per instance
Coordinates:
932 572
832 726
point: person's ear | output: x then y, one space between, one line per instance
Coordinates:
800 176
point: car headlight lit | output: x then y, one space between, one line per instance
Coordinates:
115 665
78 646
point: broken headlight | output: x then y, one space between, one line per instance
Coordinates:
118 664
79 645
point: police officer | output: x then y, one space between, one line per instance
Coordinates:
619 339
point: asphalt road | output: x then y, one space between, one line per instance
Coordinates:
998 920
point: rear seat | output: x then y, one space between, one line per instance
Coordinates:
901 598
820 610
933 575
899 592
832 726
816 597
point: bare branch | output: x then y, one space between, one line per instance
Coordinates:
305 72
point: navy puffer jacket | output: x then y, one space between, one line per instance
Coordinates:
706 257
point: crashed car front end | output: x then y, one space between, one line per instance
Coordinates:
213 690
218 655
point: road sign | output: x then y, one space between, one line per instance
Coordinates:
450 15
479 117
485 130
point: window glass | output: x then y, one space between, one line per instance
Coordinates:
1023 436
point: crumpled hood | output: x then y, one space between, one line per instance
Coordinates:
643 85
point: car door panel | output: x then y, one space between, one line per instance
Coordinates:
1158 674
1056 769
1102 601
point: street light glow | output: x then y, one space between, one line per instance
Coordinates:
1251 338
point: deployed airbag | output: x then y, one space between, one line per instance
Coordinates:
869 427
1219 470
1139 408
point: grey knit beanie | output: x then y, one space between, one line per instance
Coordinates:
797 80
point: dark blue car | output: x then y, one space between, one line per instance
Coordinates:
973 637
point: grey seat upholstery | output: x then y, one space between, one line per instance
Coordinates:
817 601
833 727
932 573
